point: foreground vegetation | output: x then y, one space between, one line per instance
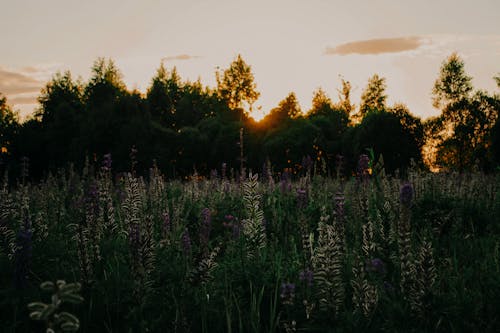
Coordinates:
260 254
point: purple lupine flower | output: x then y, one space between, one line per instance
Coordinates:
134 238
223 170
92 199
287 293
213 174
339 206
24 250
307 163
186 242
265 173
363 166
406 194
106 162
307 276
285 183
375 265
388 287
339 163
166 226
206 226
302 198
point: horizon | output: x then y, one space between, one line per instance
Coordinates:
291 46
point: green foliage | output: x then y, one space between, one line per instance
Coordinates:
373 97
236 84
463 130
354 257
55 320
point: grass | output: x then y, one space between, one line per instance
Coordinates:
148 261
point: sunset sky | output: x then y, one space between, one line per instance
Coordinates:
291 45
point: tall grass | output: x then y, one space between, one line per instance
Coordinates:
371 253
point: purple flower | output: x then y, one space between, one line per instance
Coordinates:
186 242
339 163
24 250
307 276
363 166
388 287
206 226
339 206
285 182
166 224
301 198
223 170
376 265
406 194
106 162
287 293
307 163
134 238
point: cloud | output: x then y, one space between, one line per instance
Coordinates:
12 83
377 46
23 99
180 57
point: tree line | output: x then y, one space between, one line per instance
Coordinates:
183 127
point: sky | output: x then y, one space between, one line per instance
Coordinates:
291 45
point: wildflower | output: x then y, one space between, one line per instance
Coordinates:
186 242
285 183
301 198
376 265
134 238
388 287
307 276
307 163
106 162
166 224
406 194
339 206
363 166
205 227
223 170
287 293
339 163
24 251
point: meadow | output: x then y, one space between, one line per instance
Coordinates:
97 252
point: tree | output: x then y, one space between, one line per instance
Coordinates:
344 98
236 84
281 115
452 85
321 103
410 123
397 144
8 128
462 131
106 84
373 97
164 94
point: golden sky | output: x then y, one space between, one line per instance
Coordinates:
292 45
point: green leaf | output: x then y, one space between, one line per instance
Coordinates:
47 286
70 327
37 306
47 312
36 315
71 298
71 288
68 317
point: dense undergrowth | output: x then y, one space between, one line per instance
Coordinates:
261 254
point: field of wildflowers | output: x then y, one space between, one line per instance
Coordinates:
92 252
